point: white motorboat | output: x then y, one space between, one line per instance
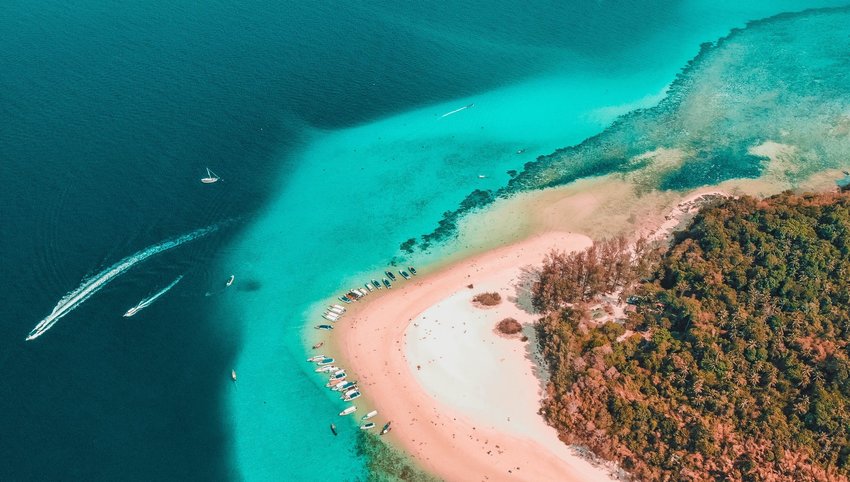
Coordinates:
230 280
367 426
348 410
370 415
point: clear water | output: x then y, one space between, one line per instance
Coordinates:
323 121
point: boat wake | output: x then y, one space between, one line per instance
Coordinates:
456 111
149 301
92 285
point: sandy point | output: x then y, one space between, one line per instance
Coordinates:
462 399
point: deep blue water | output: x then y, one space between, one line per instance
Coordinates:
109 113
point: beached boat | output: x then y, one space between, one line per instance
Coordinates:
376 284
330 317
412 270
367 426
349 397
362 292
370 415
404 274
390 275
326 369
325 361
211 177
318 345
233 375
324 327
230 280
336 309
333 429
386 428
316 358
369 287
387 283
348 410
349 392
344 299
337 376
344 386
339 307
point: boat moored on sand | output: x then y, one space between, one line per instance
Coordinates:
370 415
412 270
386 428
376 284
348 410
325 361
390 275
351 396
324 327
316 358
404 274
387 283
367 426
326 369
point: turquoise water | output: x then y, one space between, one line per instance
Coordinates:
323 120
358 192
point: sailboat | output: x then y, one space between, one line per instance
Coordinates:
211 177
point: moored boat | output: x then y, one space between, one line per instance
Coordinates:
387 283
326 369
211 177
376 284
390 275
367 426
325 361
333 309
339 307
318 345
404 274
351 397
316 358
412 270
344 299
330 317
333 429
348 410
369 287
386 428
233 374
348 385
337 376
324 327
370 415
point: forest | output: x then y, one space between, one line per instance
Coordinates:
734 363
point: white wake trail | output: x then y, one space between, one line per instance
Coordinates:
95 283
456 110
149 301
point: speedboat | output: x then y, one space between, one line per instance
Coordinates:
330 317
333 429
324 327
230 280
390 275
404 274
361 291
386 428
387 283
351 396
367 426
369 287
325 361
233 375
344 299
376 284
211 177
344 386
326 369
370 415
334 309
338 376
348 410
316 358
412 270
132 311
338 307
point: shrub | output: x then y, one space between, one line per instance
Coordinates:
509 326
488 299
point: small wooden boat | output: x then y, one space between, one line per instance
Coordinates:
386 428
325 361
367 426
404 274
390 275
348 410
211 177
318 345
376 284
387 283
412 270
316 358
333 429
370 415
324 327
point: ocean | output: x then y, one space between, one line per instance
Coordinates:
325 123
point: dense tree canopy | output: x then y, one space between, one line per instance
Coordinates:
738 368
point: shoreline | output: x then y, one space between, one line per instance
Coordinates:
373 341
